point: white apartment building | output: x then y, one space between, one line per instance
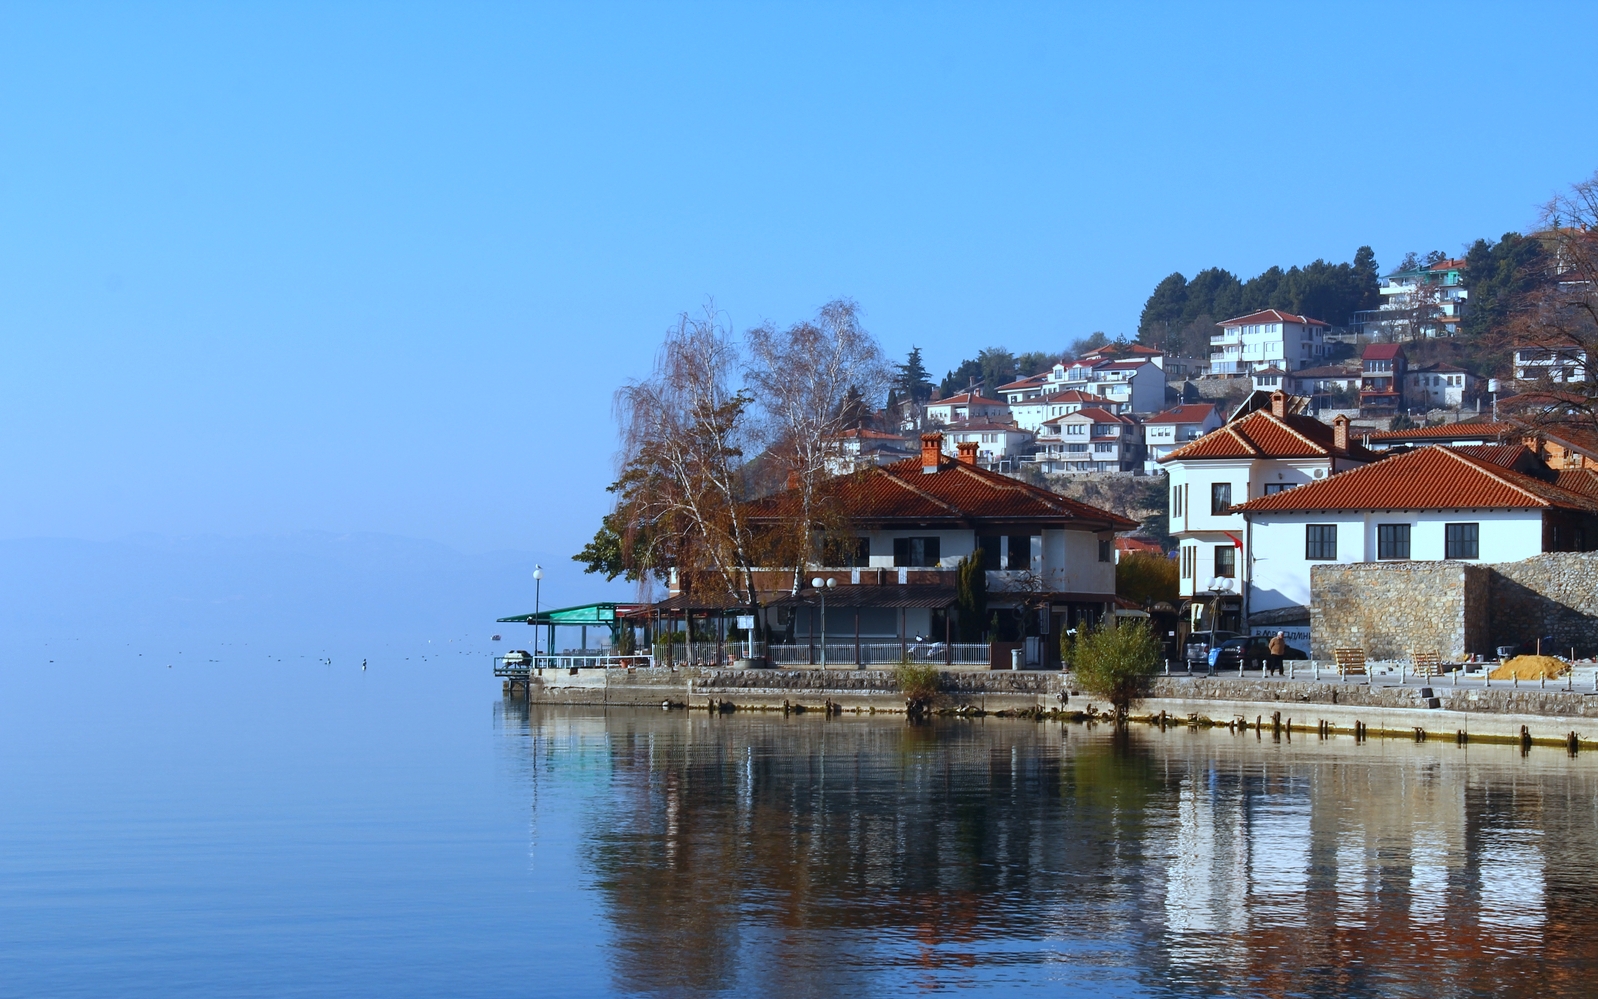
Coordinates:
1164 432
1090 440
1032 414
1259 453
999 445
1432 299
1441 386
1557 365
1267 339
966 406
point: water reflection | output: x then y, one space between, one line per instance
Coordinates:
750 853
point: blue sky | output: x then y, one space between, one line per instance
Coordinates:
279 267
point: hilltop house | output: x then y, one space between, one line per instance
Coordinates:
1381 386
1480 503
999 445
1034 412
1134 384
966 406
1259 452
1269 338
1429 300
1090 440
854 448
1164 432
1560 365
1442 386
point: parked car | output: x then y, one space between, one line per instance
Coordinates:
1252 649
1199 644
517 657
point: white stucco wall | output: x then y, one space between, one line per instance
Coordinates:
1280 572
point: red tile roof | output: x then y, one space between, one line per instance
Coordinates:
967 398
1262 435
1430 478
1450 432
1382 351
1031 381
861 433
956 493
970 426
1195 413
1271 316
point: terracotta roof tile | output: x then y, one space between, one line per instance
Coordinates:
1262 435
1271 316
1382 351
1450 432
1194 413
956 492
1430 478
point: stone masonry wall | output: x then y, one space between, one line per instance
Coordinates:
1390 609
1553 597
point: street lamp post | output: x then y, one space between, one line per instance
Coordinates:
538 586
822 586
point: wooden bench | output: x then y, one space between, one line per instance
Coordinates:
1427 664
1350 662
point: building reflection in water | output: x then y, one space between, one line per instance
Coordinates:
753 853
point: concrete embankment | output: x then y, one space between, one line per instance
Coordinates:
1376 709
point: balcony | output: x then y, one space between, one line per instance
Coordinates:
1218 367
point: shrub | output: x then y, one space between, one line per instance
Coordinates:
917 682
1114 661
1146 578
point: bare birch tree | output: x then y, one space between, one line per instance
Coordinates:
1560 318
681 491
804 377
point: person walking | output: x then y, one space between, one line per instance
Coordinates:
1277 648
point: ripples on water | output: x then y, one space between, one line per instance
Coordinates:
233 821
759 855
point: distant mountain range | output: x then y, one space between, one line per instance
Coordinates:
302 584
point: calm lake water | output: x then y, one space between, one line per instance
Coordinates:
250 821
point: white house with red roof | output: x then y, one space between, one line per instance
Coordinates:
998 445
1261 452
1164 432
966 406
1443 386
1032 414
856 448
1269 338
1090 440
1475 503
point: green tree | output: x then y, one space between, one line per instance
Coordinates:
1093 341
914 382
971 595
1499 276
961 378
1113 661
1146 578
1033 363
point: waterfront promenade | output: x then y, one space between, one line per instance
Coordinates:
1457 708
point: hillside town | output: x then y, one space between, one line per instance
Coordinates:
1212 477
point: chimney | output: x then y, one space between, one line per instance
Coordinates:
1278 404
931 452
968 452
1340 432
793 478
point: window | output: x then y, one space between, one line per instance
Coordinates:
1320 542
1076 429
916 552
1271 488
1176 501
1225 561
1461 541
989 543
1392 541
1020 552
1220 498
1106 549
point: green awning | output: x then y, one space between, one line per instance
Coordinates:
585 614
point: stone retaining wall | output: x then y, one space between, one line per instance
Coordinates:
1391 608
1552 596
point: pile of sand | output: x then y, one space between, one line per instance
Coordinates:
1529 668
